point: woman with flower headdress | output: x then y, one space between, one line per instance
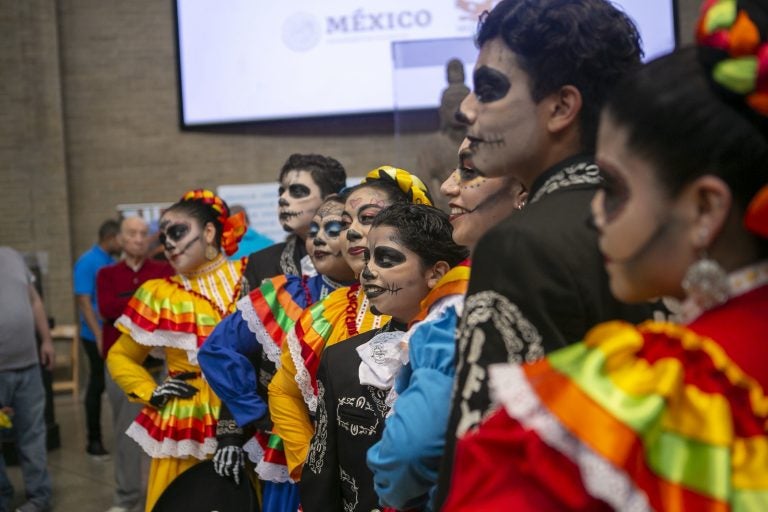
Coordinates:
659 416
177 428
341 315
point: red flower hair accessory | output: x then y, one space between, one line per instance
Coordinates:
233 227
733 48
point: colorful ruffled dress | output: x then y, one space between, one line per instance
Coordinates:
651 417
293 390
175 315
227 358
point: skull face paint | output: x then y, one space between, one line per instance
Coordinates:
505 126
299 198
361 207
183 241
324 242
393 278
478 203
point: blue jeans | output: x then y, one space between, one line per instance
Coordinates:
22 390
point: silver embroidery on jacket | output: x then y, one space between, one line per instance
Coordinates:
521 339
317 449
577 174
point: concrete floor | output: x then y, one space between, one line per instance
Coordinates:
80 483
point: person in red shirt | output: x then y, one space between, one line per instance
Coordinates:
115 285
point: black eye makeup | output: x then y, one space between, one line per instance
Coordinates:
467 173
297 191
490 84
388 257
174 232
616 193
314 229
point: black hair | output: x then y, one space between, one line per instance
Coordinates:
424 230
108 229
327 172
589 44
203 213
680 124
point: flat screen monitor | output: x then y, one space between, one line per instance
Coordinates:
252 60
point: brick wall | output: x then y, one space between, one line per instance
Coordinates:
34 209
89 119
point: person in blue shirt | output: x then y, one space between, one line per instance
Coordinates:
84 276
252 240
406 460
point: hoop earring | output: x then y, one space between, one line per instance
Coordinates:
706 283
211 252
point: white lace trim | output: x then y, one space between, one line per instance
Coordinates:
272 472
271 349
254 450
170 448
603 480
302 377
267 471
161 338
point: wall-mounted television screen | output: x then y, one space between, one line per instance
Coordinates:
253 60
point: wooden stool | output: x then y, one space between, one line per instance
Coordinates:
67 333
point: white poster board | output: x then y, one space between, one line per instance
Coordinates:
260 203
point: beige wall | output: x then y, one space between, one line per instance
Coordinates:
89 119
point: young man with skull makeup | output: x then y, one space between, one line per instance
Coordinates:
665 416
230 354
344 313
305 180
543 72
177 426
410 250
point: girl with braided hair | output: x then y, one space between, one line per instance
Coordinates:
177 428
663 415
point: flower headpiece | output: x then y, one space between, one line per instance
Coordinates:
733 50
232 226
410 184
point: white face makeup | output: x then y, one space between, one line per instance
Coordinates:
393 278
299 198
478 203
183 241
504 125
361 207
642 232
324 242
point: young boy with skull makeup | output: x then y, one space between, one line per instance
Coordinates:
410 249
305 180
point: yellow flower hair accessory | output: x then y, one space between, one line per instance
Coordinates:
410 184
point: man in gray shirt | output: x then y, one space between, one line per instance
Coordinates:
21 386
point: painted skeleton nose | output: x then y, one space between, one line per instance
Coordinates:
353 235
282 202
367 274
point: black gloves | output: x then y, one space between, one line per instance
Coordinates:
173 387
229 459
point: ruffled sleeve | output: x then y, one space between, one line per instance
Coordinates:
406 460
163 314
